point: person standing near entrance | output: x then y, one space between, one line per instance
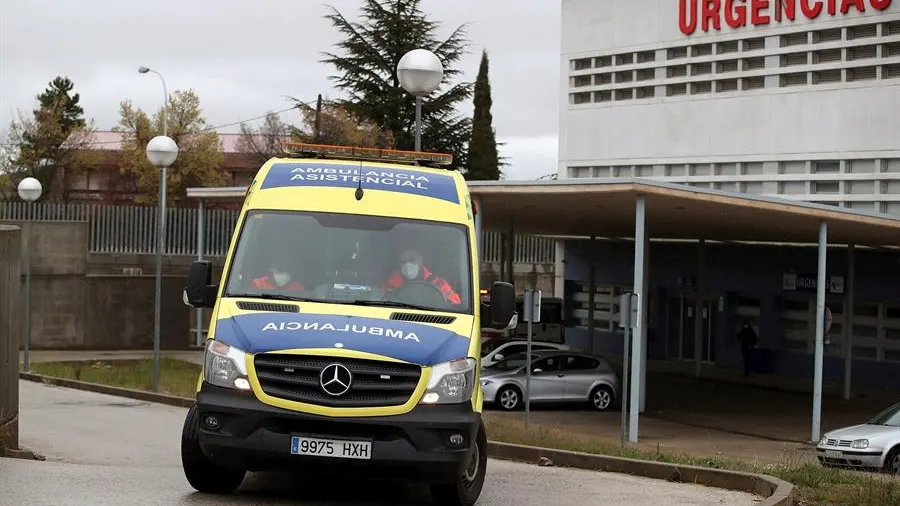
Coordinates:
748 342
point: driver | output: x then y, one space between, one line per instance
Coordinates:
411 268
278 275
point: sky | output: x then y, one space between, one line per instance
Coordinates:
242 58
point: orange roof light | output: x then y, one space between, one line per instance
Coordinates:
374 154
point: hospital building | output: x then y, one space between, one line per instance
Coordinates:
795 100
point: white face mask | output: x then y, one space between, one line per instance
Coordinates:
281 278
410 270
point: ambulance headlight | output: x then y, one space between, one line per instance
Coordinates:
451 382
225 366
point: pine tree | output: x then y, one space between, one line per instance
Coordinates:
484 162
372 49
51 145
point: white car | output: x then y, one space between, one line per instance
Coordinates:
872 445
495 350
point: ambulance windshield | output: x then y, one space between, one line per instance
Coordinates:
353 259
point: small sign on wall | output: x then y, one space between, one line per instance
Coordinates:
793 282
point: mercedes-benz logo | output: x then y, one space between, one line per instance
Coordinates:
335 379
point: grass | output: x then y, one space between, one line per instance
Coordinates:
176 377
814 485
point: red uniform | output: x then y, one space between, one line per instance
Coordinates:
267 283
397 279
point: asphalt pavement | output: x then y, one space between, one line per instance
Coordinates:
105 450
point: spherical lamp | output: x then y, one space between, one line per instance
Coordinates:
420 72
162 151
30 189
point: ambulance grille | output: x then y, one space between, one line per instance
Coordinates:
423 318
375 383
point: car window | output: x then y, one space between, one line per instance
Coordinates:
548 364
576 362
513 348
890 417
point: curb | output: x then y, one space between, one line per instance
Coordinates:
775 492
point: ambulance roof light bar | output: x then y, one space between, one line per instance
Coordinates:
305 150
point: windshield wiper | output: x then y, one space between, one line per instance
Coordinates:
271 296
390 303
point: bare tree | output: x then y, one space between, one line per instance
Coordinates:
261 144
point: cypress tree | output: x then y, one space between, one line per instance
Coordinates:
484 161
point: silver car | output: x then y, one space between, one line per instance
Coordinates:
557 377
872 445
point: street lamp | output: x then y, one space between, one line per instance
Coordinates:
161 152
29 190
144 70
420 72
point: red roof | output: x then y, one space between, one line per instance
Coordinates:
112 141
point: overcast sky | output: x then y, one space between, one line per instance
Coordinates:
243 56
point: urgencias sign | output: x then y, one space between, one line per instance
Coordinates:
707 15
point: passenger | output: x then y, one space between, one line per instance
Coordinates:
279 275
411 268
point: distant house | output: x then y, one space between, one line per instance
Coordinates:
105 182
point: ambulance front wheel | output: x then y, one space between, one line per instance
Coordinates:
201 472
467 487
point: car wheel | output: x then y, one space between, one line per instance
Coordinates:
892 461
601 398
467 488
200 471
509 398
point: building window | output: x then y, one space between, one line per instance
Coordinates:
830 187
829 35
826 167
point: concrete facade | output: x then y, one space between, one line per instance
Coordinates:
81 300
782 313
746 100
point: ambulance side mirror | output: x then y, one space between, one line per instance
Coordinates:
200 292
502 306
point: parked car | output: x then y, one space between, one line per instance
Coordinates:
872 445
496 349
557 376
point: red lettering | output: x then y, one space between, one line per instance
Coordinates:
832 7
687 21
789 7
757 17
711 13
879 5
859 4
735 13
811 8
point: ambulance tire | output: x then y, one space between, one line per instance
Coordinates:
204 475
467 488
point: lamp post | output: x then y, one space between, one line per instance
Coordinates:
161 152
144 70
420 72
29 190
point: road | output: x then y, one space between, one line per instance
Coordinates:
104 450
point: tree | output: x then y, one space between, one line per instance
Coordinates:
337 126
367 74
484 162
52 145
199 152
261 144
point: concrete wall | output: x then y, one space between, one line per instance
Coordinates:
106 301
746 270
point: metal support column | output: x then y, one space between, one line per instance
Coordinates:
201 235
512 254
700 291
592 288
645 320
820 334
848 321
637 342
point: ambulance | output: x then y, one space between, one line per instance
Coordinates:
345 329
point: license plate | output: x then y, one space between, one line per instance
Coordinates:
833 454
335 448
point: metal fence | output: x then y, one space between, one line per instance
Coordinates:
132 230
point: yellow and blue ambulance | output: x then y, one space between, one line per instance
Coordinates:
345 330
